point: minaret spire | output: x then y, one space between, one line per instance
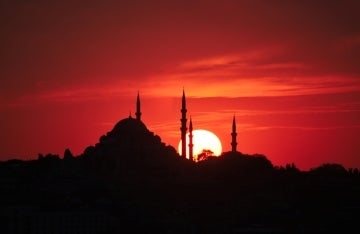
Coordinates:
183 100
191 145
233 135
183 126
138 112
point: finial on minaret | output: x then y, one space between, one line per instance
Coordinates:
138 112
183 125
233 135
191 145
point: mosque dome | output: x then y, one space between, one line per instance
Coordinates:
129 125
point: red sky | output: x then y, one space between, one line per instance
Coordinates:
288 70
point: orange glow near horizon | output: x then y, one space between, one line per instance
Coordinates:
303 129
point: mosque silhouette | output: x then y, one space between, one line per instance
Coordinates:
132 182
134 126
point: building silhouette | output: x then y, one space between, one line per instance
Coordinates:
130 180
138 112
183 127
233 136
183 130
191 145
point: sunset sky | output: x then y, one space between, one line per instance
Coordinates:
288 70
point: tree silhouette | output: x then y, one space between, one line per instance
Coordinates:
68 155
205 154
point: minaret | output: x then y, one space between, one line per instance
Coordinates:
183 126
233 135
138 113
191 145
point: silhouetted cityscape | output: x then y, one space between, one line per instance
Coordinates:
132 182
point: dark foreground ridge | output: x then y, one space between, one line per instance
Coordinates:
131 182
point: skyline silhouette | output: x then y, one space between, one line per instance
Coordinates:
132 182
186 135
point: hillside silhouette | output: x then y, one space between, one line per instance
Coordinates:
132 182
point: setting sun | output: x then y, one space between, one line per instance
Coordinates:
203 140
